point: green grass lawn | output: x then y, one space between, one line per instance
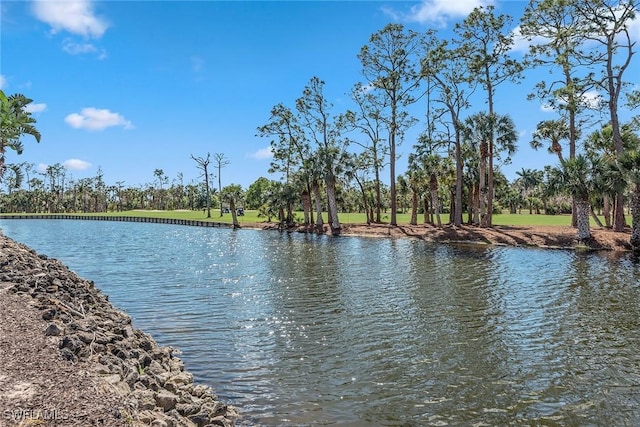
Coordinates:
501 219
251 216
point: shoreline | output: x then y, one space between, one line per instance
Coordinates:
540 237
536 236
70 358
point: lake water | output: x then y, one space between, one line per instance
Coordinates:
300 329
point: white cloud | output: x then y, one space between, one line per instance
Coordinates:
35 108
634 28
78 48
76 164
522 44
96 119
263 153
3 81
74 16
42 167
437 11
592 99
546 108
74 48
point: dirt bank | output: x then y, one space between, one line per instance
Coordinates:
555 237
69 358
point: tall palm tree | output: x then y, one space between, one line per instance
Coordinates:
403 191
433 167
480 131
553 131
15 179
530 179
599 145
15 121
232 194
575 178
629 166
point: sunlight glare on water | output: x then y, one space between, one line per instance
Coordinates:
300 329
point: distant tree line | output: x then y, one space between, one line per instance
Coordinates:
454 165
330 162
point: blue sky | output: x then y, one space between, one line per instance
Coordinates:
134 86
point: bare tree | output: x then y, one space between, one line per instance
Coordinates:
203 165
221 162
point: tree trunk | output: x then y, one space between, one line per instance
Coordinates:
365 205
306 207
606 201
582 210
392 165
457 219
234 214
435 203
281 218
290 220
425 209
334 222
378 191
316 194
618 210
476 204
487 221
414 207
482 189
635 218
595 218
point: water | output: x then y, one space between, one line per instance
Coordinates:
311 330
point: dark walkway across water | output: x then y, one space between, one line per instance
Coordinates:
191 222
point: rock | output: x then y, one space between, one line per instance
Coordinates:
103 370
200 389
146 417
68 355
221 421
72 343
127 361
176 365
145 360
145 399
149 382
101 339
155 368
187 409
167 401
120 353
53 330
177 381
162 378
200 419
49 314
86 337
131 378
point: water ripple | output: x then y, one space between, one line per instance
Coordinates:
312 330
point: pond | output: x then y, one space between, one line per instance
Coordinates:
299 329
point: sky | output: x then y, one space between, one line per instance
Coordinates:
129 87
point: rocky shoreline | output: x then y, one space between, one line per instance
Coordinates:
70 358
